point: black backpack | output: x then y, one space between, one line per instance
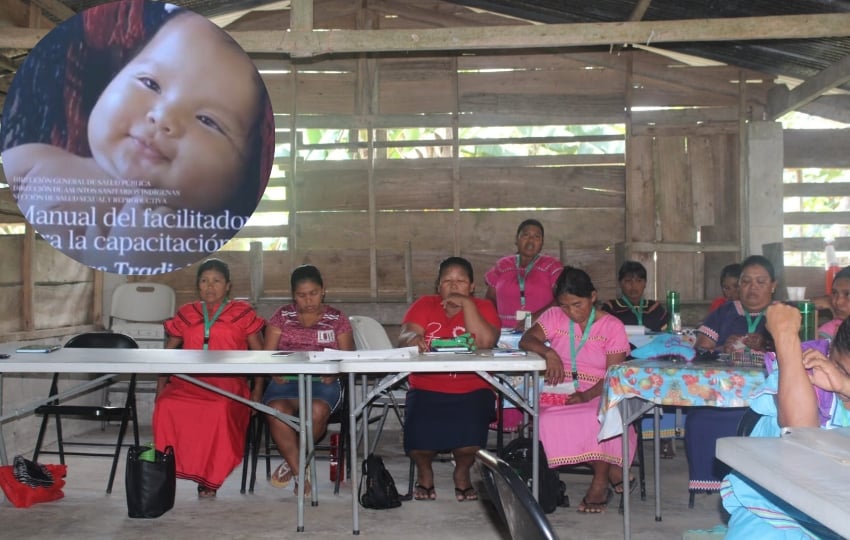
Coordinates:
552 492
377 488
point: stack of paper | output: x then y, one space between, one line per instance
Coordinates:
378 354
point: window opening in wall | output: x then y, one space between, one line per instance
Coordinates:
816 204
316 146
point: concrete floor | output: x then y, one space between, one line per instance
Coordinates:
86 512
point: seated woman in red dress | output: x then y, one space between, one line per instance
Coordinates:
207 430
448 411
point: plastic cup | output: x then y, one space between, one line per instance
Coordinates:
796 293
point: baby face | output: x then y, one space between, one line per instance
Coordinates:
179 115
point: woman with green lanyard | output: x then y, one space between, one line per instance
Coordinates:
520 285
583 343
635 310
632 308
207 430
737 326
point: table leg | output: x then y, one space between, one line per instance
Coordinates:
353 465
3 459
535 446
302 448
626 503
311 441
656 443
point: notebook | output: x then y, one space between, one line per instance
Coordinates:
38 348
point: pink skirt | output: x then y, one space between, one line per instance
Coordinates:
569 432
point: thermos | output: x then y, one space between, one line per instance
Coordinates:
335 468
808 329
675 322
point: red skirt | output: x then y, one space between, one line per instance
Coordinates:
206 430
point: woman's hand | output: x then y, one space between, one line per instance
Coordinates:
825 373
577 397
756 342
455 302
782 320
328 379
554 367
413 335
734 343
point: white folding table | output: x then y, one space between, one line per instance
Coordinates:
181 363
481 362
809 468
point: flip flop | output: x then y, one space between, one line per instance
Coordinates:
308 490
618 487
468 494
424 493
595 507
281 476
205 492
668 450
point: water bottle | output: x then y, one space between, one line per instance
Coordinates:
832 267
334 458
808 326
675 324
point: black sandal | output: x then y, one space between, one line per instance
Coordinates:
424 493
468 494
205 492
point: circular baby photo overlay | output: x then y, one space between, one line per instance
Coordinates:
137 137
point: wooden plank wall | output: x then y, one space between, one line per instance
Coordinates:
356 218
62 289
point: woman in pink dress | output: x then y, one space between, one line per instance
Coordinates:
583 342
522 282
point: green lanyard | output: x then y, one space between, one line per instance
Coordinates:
520 276
638 311
573 351
753 324
209 322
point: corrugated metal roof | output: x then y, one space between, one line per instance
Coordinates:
797 58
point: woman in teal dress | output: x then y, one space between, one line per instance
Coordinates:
808 389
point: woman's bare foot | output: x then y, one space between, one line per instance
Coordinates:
595 502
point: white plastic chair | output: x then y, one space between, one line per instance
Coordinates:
138 310
369 334
142 302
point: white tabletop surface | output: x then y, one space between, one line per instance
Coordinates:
808 468
482 360
78 360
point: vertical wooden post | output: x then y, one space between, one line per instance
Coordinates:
408 272
255 269
301 15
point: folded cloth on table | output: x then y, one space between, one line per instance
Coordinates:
30 473
665 345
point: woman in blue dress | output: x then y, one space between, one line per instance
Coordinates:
806 388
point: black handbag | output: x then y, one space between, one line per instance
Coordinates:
150 483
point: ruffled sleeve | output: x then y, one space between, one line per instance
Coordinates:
245 318
187 316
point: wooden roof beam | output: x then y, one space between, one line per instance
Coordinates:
316 43
781 101
54 10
